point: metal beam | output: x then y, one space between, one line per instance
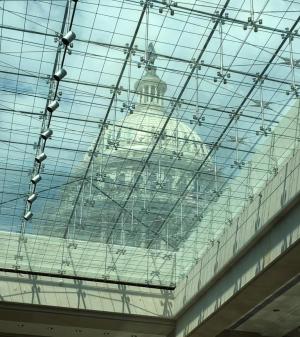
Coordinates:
85 278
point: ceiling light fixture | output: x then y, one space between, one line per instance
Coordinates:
53 106
68 38
41 157
36 179
32 198
47 134
60 74
28 215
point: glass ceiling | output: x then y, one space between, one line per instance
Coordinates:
171 117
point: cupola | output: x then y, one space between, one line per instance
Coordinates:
150 87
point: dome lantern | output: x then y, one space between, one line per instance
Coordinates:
150 87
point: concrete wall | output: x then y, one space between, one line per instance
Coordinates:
85 295
86 259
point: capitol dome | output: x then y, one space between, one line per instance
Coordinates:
142 164
142 128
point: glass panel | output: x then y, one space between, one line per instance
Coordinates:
136 190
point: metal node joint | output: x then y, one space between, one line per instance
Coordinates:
222 76
127 50
252 24
294 90
169 6
219 19
197 120
114 143
289 34
100 176
89 202
129 107
264 131
238 164
177 155
195 65
118 90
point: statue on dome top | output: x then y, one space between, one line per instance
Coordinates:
151 54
